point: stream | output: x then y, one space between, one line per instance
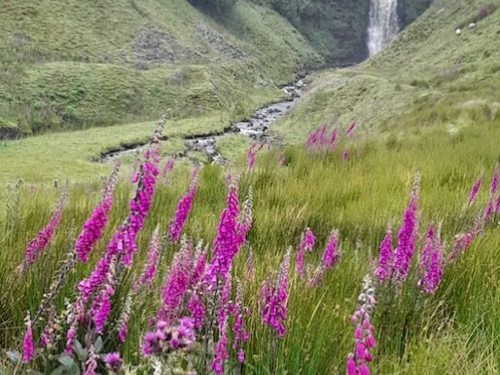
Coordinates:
256 128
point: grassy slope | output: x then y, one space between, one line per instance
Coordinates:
427 76
69 64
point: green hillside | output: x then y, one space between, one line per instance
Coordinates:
70 64
73 64
428 76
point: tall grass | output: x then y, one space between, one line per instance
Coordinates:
455 330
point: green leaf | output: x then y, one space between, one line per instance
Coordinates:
72 369
58 371
98 344
66 360
81 353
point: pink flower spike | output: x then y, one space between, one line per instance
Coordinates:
386 257
332 255
183 210
475 189
309 240
494 181
345 155
28 343
149 272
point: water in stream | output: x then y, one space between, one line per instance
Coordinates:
256 127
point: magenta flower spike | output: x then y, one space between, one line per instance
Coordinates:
95 225
432 262
273 299
497 205
37 245
357 362
123 244
101 310
176 283
227 242
494 181
407 237
200 264
386 257
345 155
149 272
309 240
332 255
239 311
28 342
221 353
91 363
169 166
488 211
350 130
196 307
475 189
333 139
183 210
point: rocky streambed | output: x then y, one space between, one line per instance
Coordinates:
256 128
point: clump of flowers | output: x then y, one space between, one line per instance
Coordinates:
169 337
357 362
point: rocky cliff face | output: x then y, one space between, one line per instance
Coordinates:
337 29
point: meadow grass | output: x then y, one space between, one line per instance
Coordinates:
454 330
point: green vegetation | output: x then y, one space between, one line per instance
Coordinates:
320 191
428 103
68 67
428 77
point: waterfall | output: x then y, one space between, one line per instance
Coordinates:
384 24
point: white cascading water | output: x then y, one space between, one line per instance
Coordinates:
384 24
